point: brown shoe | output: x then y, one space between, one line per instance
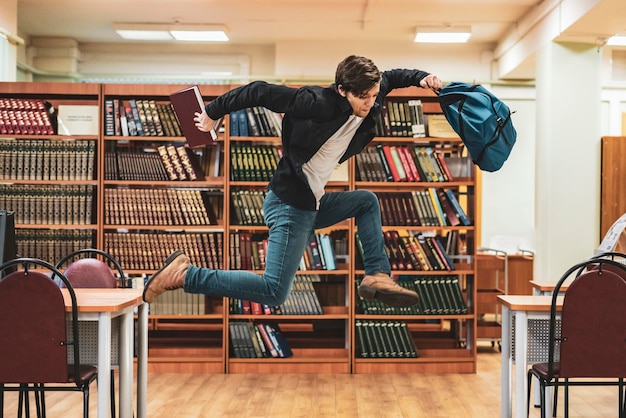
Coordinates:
381 287
169 277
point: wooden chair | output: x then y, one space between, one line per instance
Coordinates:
591 350
32 313
90 268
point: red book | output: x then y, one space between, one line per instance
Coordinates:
266 339
451 215
257 308
444 166
186 103
410 162
391 163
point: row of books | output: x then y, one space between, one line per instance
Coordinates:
319 254
25 117
253 162
402 163
178 302
148 251
302 300
409 250
147 162
425 207
438 295
407 119
255 121
384 339
402 118
49 204
250 339
174 207
52 244
247 206
162 163
180 163
46 159
247 252
140 117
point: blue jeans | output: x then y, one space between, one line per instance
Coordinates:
289 233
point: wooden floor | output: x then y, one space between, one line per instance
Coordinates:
321 395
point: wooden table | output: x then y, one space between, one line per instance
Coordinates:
545 289
101 305
523 308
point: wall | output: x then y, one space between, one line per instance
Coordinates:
8 23
315 58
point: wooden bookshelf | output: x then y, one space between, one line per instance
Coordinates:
197 339
50 181
188 332
444 342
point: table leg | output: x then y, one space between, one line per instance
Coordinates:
506 363
126 366
521 359
104 364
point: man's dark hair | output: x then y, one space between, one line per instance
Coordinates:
357 74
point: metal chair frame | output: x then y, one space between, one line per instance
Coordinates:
77 377
549 374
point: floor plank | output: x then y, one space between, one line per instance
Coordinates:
405 395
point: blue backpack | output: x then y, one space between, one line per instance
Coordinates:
482 121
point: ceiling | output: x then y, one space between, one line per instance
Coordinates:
268 22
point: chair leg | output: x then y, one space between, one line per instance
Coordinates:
622 401
112 393
556 397
529 385
40 399
86 402
566 398
24 401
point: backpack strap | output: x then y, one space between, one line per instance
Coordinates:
450 98
496 134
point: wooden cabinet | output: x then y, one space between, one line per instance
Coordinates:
520 273
613 178
491 281
141 218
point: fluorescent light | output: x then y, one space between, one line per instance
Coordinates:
145 35
443 34
617 40
200 35
169 32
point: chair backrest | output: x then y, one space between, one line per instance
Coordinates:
33 323
92 271
618 266
593 327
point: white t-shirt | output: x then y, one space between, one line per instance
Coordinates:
320 167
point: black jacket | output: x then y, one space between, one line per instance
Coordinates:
312 114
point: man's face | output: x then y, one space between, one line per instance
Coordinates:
361 104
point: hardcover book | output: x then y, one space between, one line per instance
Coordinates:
187 103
